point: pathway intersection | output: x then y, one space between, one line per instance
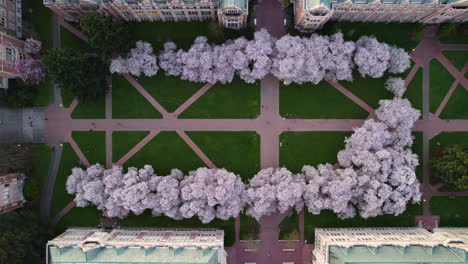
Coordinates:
269 125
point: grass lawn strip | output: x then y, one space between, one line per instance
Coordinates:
92 144
124 141
418 149
60 197
310 148
440 82
319 101
128 103
452 211
456 107
238 152
41 20
237 99
414 90
44 95
437 144
69 40
87 216
459 58
169 91
41 162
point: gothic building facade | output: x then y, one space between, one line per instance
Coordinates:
311 15
229 13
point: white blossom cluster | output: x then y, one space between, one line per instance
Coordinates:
206 193
140 60
291 59
376 176
32 46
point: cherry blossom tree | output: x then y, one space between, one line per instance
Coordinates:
254 56
211 193
399 60
330 189
396 86
371 57
274 190
86 185
140 60
169 59
32 46
31 71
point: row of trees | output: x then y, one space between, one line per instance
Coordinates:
376 176
290 58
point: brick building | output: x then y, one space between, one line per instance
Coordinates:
11 190
390 245
138 245
229 13
310 15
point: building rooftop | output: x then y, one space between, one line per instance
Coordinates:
398 245
135 245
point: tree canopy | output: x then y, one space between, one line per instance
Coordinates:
22 237
452 167
83 74
106 34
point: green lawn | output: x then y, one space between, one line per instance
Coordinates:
89 109
414 90
440 82
88 216
169 91
60 197
400 34
437 144
310 148
41 162
456 107
249 228
328 219
317 101
459 58
164 152
182 33
418 149
148 220
41 20
457 36
71 41
127 102
289 227
92 144
452 211
370 90
238 152
124 141
44 94
237 99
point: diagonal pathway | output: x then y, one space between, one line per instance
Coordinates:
196 149
137 147
147 96
351 96
191 100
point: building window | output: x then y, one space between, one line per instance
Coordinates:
2 2
193 13
11 26
232 25
167 13
11 16
11 6
176 7
180 13
206 13
9 54
2 11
